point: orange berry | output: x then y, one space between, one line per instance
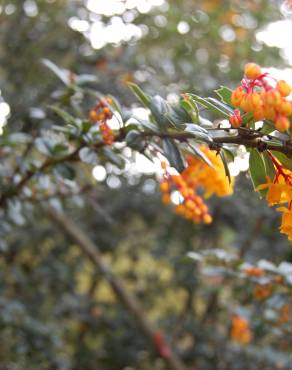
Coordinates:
166 198
164 186
180 209
252 71
285 107
207 219
93 116
282 123
190 204
254 271
283 88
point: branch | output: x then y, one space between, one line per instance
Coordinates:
246 137
89 249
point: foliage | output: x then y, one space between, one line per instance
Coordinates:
211 291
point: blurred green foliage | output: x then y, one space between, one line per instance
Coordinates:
56 311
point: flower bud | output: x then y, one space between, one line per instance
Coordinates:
283 88
252 71
282 123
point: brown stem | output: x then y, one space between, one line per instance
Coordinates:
242 138
132 305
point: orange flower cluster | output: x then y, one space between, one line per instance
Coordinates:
280 191
101 113
198 174
240 330
256 95
192 206
213 179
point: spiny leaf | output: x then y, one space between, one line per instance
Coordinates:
225 94
173 154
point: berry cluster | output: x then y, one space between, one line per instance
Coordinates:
101 113
256 95
198 175
192 206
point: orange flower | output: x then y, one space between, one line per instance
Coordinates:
262 292
240 331
256 95
254 271
252 71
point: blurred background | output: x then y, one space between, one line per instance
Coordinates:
56 311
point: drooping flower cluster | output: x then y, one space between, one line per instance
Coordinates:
198 175
212 178
101 113
191 206
240 330
257 95
280 191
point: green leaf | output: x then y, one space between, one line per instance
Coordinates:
135 140
198 132
173 154
88 155
138 92
225 94
64 115
228 154
211 106
191 107
270 169
225 164
268 127
221 105
257 170
113 157
147 124
247 117
62 74
160 110
177 115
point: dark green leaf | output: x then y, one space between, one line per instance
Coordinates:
270 169
144 99
173 154
225 164
88 155
257 170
